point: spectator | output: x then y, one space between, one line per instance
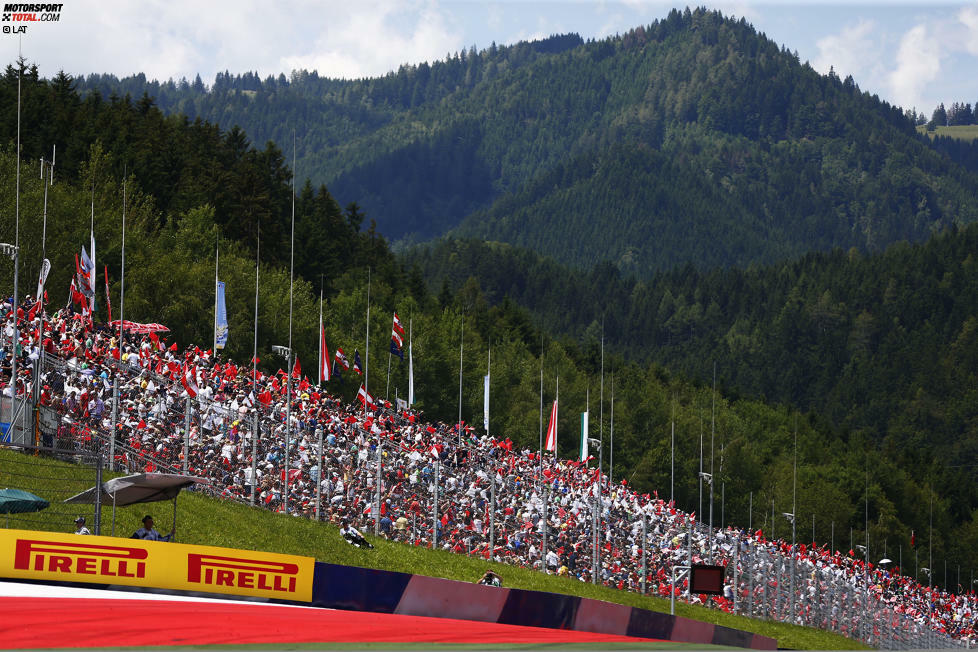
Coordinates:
149 533
490 579
80 526
353 536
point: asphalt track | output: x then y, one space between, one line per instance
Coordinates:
33 616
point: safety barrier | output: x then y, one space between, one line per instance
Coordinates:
111 561
60 558
365 589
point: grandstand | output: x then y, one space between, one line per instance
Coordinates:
142 405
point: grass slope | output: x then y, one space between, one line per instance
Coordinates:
960 132
209 521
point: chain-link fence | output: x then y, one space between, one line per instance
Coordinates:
775 587
53 478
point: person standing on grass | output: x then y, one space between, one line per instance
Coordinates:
80 526
149 533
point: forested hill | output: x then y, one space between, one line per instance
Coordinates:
885 344
692 139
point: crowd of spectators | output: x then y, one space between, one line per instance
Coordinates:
544 509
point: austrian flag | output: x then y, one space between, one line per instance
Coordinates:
365 398
189 381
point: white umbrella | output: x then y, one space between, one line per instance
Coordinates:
140 488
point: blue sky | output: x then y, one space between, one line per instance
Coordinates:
910 53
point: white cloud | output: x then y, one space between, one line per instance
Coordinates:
918 62
969 18
370 42
175 38
851 52
495 18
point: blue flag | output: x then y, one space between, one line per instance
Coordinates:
221 321
357 365
396 350
336 372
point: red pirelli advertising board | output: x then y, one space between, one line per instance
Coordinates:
109 560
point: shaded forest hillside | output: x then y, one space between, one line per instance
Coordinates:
883 346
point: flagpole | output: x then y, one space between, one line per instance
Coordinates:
672 458
322 327
540 459
611 460
288 380
91 245
387 389
16 342
254 377
122 280
713 421
254 355
461 345
217 261
410 362
47 182
585 418
601 415
366 355
488 377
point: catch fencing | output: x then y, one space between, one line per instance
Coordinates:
775 587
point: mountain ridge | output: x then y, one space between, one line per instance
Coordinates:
796 161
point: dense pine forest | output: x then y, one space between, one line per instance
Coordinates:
693 139
719 200
881 345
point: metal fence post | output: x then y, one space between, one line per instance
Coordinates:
594 542
543 551
98 488
492 517
380 471
736 577
645 545
434 510
689 585
319 477
766 602
115 419
254 457
186 436
750 582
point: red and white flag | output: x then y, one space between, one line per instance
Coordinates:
551 444
365 398
324 366
397 326
341 359
189 381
